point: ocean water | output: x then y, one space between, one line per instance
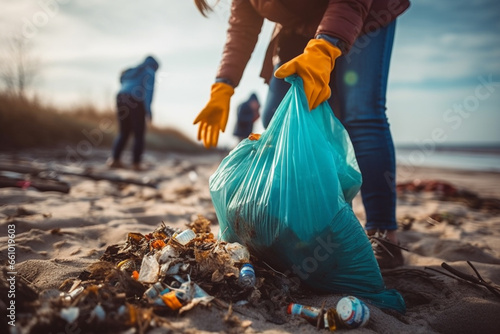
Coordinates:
462 158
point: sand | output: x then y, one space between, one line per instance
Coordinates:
58 235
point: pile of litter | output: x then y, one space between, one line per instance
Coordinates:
142 282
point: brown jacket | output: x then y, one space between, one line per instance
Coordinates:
297 22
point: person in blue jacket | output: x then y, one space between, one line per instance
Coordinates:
133 103
248 113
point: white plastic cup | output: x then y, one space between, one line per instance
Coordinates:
185 236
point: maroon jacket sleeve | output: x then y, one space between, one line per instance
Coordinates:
344 19
242 35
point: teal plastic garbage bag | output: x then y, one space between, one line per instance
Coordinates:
342 150
286 197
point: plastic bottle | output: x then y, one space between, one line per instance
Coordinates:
350 312
328 319
309 313
247 276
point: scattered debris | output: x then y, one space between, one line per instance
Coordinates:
448 192
443 217
166 272
349 313
441 188
26 181
24 174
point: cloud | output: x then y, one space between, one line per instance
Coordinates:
446 42
441 47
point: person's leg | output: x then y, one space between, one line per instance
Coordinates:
138 117
359 96
290 46
124 124
277 91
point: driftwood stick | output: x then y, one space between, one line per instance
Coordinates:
24 168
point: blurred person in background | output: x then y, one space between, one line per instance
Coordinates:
248 113
133 103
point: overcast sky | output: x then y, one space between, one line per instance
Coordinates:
444 77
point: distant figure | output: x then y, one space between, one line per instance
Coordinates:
248 113
133 103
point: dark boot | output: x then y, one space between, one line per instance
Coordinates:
388 254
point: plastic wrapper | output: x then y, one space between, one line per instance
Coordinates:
286 197
238 252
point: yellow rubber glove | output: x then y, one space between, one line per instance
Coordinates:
314 66
213 118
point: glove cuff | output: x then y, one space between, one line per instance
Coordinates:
324 47
334 41
221 88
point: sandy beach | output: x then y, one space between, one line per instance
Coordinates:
445 215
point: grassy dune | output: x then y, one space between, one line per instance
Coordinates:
29 123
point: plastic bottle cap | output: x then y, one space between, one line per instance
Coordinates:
248 265
289 309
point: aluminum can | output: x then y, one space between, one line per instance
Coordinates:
353 312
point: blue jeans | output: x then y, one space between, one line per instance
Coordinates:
359 84
131 117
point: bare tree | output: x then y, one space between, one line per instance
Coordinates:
19 66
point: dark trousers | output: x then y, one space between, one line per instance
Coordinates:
131 117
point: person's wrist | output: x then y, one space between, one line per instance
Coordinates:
337 42
224 80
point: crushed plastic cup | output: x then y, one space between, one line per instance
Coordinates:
149 269
185 237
